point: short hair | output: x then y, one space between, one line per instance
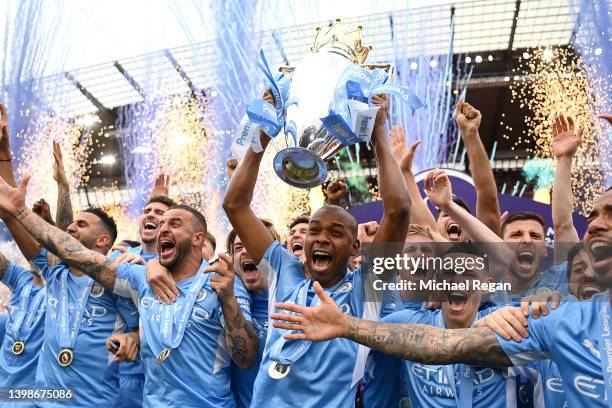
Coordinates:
524 216
210 237
107 220
302 219
343 211
229 241
130 243
161 199
460 202
416 229
575 250
201 221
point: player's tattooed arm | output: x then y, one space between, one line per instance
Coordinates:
430 345
415 342
241 337
69 249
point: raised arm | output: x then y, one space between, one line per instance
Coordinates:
27 245
58 242
237 202
393 191
487 205
415 342
63 215
404 156
566 140
439 190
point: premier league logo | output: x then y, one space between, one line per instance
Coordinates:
97 290
201 295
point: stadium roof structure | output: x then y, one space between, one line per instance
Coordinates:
501 26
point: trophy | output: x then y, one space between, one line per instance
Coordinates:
321 105
312 85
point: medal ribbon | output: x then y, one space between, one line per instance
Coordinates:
68 332
287 352
605 350
21 313
171 333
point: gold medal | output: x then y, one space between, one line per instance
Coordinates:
163 355
18 347
278 371
65 357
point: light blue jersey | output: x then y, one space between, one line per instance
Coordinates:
243 379
570 337
147 256
548 388
328 372
27 309
552 279
3 320
131 380
196 373
93 375
435 385
384 370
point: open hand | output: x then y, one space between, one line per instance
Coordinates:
565 138
403 155
162 282
438 188
322 322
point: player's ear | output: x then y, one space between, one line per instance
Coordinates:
198 238
355 247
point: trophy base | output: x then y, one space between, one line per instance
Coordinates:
300 167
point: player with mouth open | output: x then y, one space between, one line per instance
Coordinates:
305 373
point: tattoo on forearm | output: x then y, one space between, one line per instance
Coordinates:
242 339
69 249
430 345
63 215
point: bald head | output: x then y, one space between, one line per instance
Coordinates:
339 214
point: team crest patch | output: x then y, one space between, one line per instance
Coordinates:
345 287
345 308
201 295
97 290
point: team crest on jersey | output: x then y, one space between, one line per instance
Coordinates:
345 287
97 290
201 295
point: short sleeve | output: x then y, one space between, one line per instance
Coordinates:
16 277
40 264
537 346
284 270
127 310
113 255
130 278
